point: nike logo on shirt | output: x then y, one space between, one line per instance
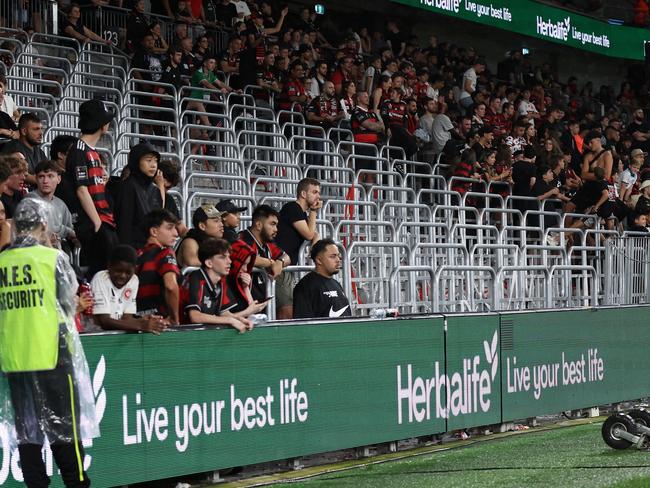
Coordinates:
337 313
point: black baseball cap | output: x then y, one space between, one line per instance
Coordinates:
227 206
93 115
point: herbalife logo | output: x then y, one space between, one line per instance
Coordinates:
558 30
464 392
10 463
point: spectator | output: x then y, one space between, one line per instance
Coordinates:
157 268
207 221
231 215
527 108
294 95
60 218
5 228
393 111
226 13
255 249
206 297
470 79
629 177
323 111
7 104
147 60
204 79
160 46
74 28
639 130
200 50
139 193
524 176
137 25
367 126
341 74
95 223
396 40
114 293
321 71
28 144
267 80
12 189
380 93
184 14
484 144
594 197
230 58
637 223
171 177
297 224
318 294
349 92
643 203
596 157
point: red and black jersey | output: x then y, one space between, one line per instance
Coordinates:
198 292
154 262
394 113
421 92
247 247
361 134
464 170
292 88
84 168
321 106
267 75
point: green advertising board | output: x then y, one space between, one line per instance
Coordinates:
473 370
201 400
557 361
195 401
544 22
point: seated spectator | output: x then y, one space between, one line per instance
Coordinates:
393 111
12 191
629 177
171 176
206 297
28 143
643 203
255 249
7 104
484 144
137 25
318 294
60 219
114 293
207 221
637 222
160 46
380 93
294 94
138 194
200 50
594 197
205 79
341 74
367 127
157 268
73 27
148 61
231 219
297 224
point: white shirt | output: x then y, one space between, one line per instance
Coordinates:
242 9
526 107
440 131
628 178
8 106
470 75
113 301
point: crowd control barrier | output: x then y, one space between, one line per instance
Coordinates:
201 400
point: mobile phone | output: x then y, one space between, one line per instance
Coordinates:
268 298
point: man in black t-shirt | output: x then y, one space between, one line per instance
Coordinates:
639 130
523 177
297 224
318 294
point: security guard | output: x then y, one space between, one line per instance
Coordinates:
40 352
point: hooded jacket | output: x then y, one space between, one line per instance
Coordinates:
136 197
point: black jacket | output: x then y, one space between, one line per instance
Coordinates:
135 197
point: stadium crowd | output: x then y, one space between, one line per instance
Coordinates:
516 130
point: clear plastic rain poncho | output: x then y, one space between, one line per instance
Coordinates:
38 405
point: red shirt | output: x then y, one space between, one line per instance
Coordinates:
153 263
361 134
292 88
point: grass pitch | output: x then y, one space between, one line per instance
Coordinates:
565 457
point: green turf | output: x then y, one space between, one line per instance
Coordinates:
566 457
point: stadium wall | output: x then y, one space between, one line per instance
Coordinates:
200 400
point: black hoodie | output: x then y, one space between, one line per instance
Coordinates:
136 197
